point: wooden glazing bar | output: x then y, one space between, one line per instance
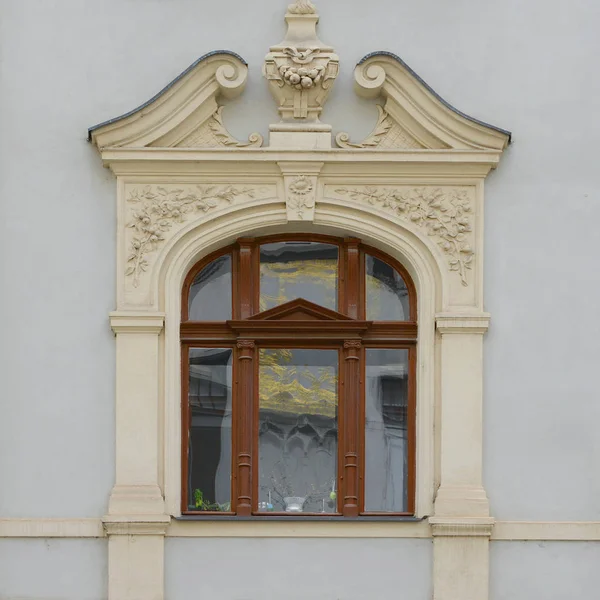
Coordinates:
245 278
352 280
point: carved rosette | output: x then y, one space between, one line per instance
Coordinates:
301 69
300 197
156 211
444 213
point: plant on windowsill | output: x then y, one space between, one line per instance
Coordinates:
201 503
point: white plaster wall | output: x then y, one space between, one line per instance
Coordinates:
296 569
530 67
53 569
548 570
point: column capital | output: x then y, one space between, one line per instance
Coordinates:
462 323
137 322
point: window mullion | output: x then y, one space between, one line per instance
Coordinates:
352 279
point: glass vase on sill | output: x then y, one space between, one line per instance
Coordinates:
294 504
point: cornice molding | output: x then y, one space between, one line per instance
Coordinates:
180 108
137 525
462 323
137 322
461 527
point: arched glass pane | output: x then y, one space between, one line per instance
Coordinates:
210 293
386 430
209 451
290 270
387 295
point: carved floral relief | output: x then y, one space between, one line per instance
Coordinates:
444 213
300 197
155 210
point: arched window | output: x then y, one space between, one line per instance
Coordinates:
298 365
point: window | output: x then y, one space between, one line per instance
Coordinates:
298 365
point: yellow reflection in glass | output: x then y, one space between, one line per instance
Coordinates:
287 385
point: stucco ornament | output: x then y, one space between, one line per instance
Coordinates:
300 198
443 213
302 7
159 208
301 69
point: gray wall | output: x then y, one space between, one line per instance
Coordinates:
527 66
548 570
32 569
296 569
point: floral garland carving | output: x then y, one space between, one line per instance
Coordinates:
158 209
444 214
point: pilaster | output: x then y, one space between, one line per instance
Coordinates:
461 525
136 521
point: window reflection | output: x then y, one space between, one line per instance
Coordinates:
298 430
210 292
386 428
209 458
387 294
290 270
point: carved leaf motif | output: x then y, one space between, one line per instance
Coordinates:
302 7
383 125
223 136
444 214
159 208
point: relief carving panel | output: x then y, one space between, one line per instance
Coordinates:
446 215
155 212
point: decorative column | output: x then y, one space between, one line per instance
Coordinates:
136 521
245 383
351 420
461 525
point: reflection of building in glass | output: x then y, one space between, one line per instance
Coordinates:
386 425
209 458
290 270
298 429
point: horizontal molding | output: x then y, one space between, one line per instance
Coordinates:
296 529
51 528
559 531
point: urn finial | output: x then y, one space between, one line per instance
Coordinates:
300 71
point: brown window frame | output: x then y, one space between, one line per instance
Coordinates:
345 330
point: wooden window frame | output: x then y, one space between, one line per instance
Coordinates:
345 330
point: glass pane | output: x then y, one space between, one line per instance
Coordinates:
210 293
387 296
209 451
386 427
290 270
298 430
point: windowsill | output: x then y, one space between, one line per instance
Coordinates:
297 519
